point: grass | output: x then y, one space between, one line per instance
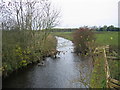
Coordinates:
114 69
110 38
107 38
98 79
67 35
102 38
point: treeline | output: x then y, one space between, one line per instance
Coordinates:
94 28
108 28
63 29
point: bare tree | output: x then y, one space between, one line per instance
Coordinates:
29 14
6 15
50 18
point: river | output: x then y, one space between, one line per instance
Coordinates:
66 71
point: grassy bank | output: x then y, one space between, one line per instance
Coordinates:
21 48
102 39
114 66
98 79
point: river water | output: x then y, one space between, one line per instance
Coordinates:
66 71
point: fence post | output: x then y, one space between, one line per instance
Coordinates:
106 68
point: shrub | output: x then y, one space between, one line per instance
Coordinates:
20 48
83 40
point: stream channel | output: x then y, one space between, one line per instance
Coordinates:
66 71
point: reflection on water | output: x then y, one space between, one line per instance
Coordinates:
57 73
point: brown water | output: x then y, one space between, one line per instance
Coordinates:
62 72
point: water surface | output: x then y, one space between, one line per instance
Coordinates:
62 72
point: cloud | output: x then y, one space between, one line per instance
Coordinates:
77 13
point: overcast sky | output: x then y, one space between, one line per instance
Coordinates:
76 13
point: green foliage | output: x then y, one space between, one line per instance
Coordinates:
21 48
114 66
109 28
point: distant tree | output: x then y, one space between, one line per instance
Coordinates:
101 29
110 28
104 28
94 28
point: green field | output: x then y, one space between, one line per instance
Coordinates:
102 38
67 35
107 38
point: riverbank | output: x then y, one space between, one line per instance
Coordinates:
98 78
22 48
102 39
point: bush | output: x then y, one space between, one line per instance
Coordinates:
20 48
83 40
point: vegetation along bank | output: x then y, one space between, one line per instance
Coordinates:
101 39
21 48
